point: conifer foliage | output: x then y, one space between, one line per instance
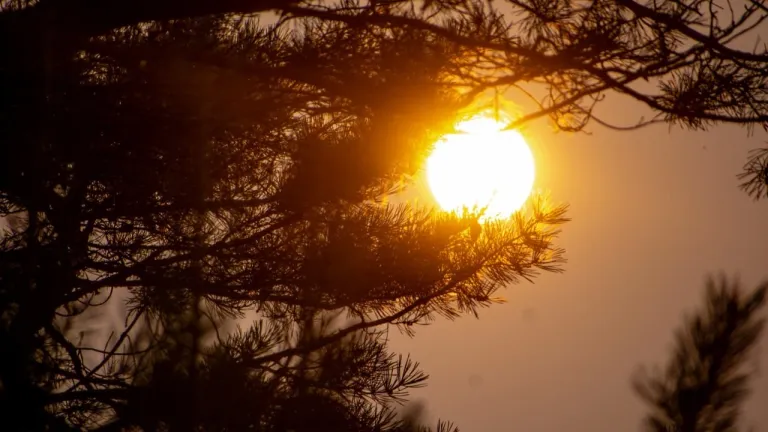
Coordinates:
171 167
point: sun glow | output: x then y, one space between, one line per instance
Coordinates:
481 167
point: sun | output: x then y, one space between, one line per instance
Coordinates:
482 166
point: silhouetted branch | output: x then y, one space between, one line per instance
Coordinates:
755 175
705 383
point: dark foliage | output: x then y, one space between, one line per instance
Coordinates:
187 173
684 60
755 175
705 381
177 162
347 385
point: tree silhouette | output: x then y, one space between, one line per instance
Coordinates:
202 169
193 164
347 385
681 59
755 174
705 381
579 51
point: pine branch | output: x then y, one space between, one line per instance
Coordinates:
705 381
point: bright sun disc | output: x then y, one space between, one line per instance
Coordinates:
482 166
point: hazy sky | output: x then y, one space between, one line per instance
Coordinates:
654 211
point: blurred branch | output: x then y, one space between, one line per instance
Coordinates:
705 381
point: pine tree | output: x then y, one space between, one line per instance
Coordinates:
189 163
706 379
208 168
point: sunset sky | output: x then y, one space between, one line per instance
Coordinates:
654 211
162 180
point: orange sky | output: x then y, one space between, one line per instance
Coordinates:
653 212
